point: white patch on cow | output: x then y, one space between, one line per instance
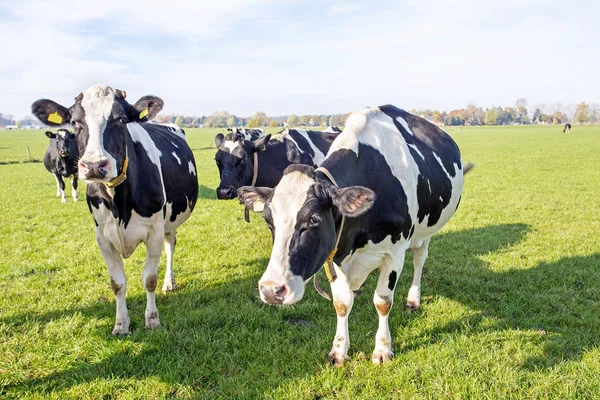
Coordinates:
405 125
412 146
170 226
74 193
355 125
191 168
288 197
177 158
174 129
231 145
97 103
319 156
62 133
173 143
140 135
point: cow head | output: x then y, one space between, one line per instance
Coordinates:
99 118
235 160
301 212
65 141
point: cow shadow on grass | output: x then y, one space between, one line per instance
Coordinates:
204 192
221 341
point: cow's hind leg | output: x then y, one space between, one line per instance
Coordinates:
413 301
343 299
150 275
118 283
60 188
170 241
74 188
390 269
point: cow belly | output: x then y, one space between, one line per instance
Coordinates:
180 218
125 240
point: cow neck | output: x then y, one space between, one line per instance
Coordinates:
328 266
254 178
122 175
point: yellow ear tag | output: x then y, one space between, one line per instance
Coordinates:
143 113
55 118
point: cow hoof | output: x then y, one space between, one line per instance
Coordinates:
381 357
337 360
121 328
152 320
357 293
412 306
168 288
63 200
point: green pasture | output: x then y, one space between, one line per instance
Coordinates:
510 309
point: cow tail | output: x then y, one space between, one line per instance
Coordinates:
468 166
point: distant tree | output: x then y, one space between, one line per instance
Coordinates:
303 120
437 117
521 111
262 117
537 115
232 120
254 123
292 120
324 120
491 116
331 121
19 124
582 113
594 113
179 121
273 123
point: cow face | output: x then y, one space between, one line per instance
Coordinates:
99 118
235 160
66 142
302 212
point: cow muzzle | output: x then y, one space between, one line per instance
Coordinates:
226 193
273 293
94 170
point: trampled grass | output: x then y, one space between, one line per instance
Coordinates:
511 292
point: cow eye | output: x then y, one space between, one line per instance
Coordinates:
123 120
74 123
315 220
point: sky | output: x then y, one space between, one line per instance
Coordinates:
303 57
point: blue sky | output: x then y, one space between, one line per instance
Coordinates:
301 57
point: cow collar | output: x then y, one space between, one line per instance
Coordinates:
254 178
121 177
329 269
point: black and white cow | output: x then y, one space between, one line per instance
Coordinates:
395 180
332 129
248 134
61 160
142 183
235 157
567 128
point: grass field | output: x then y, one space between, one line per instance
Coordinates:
511 292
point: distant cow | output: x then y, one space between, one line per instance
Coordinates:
390 181
248 134
332 129
567 128
236 157
142 183
61 160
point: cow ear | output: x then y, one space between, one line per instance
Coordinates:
50 112
254 198
260 144
219 139
51 135
145 109
353 201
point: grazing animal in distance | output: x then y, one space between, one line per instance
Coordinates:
61 161
142 184
389 182
567 128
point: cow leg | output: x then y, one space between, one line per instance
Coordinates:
413 301
61 188
170 241
390 269
150 274
118 283
343 299
74 189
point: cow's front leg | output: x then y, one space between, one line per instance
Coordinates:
60 191
118 283
343 299
150 274
413 301
390 269
74 188
169 282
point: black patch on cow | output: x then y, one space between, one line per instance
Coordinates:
302 142
392 280
434 188
322 140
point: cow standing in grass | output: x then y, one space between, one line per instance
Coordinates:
61 161
567 128
236 157
142 183
390 181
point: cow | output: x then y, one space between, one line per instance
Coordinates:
142 184
61 160
332 129
248 134
263 160
389 182
567 128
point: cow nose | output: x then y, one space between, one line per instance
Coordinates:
225 193
95 169
273 293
